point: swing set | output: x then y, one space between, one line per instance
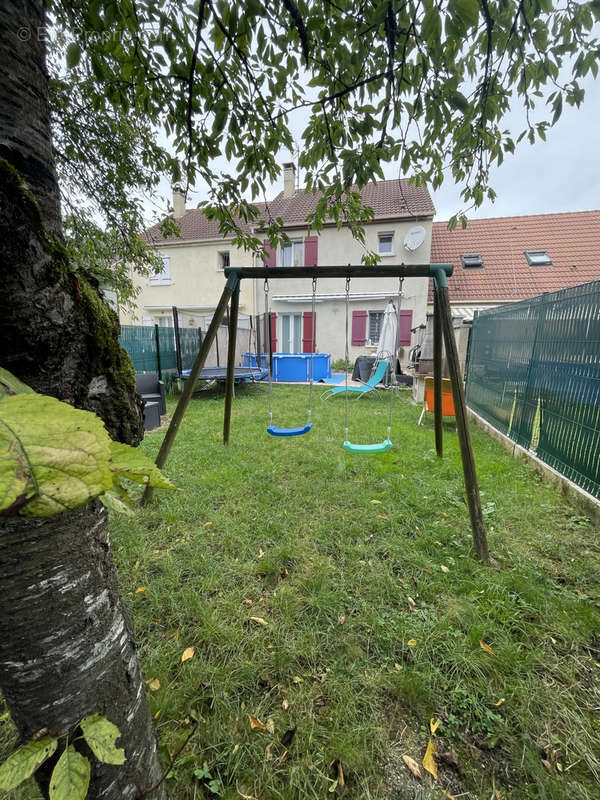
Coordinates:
442 327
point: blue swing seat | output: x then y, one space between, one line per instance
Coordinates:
275 431
380 447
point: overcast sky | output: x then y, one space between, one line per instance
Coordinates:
561 174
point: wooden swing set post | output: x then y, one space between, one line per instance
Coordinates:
480 544
437 374
233 323
188 389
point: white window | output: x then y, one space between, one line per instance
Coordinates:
375 323
385 244
292 254
164 276
471 260
538 258
291 333
223 259
147 322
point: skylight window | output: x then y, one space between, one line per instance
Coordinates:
538 258
470 260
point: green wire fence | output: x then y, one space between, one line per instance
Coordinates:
534 374
152 348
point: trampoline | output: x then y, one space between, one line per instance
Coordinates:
219 374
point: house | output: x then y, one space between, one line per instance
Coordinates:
193 279
504 259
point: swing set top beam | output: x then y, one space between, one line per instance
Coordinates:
344 271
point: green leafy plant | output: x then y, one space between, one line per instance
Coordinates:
55 458
70 777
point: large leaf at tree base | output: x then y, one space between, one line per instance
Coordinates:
23 762
100 733
70 777
128 462
53 457
10 385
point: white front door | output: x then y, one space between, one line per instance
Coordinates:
291 333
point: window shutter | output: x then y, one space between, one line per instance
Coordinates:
274 331
359 328
271 259
311 249
308 346
404 326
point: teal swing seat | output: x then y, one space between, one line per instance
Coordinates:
378 447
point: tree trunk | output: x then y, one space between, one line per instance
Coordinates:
66 644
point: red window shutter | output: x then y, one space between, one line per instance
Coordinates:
404 326
308 346
359 328
271 259
311 250
274 331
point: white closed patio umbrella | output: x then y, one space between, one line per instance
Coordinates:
386 347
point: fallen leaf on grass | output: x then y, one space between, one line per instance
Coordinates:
412 643
256 723
261 553
248 601
188 653
486 647
376 502
268 753
259 621
429 760
434 724
246 796
285 705
137 563
447 794
207 524
154 685
411 604
140 589
413 766
342 619
271 725
398 666
297 679
382 516
547 764
444 568
283 756
499 703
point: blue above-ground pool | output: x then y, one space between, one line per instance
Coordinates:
294 367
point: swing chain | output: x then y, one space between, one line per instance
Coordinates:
312 346
267 330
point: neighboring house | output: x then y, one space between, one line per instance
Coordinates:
504 259
193 276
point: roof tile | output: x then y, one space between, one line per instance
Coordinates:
572 241
389 200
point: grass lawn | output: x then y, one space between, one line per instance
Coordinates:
334 598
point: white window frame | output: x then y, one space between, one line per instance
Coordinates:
296 250
221 256
370 341
538 258
381 235
164 276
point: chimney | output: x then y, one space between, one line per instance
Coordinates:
178 202
289 180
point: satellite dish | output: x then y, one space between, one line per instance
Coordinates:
414 238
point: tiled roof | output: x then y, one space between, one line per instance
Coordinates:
389 200
572 241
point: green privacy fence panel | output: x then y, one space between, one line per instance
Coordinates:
140 343
152 348
534 374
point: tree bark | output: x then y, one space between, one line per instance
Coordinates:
66 644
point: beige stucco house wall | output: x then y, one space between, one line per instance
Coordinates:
336 248
193 281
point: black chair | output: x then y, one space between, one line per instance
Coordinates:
151 390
